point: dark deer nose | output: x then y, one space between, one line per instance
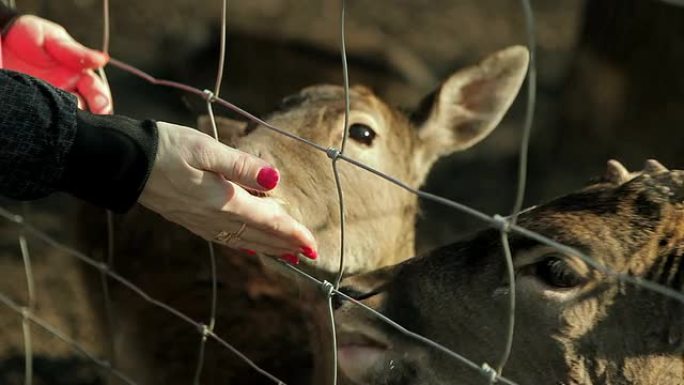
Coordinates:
339 300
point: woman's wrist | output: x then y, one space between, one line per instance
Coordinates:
110 160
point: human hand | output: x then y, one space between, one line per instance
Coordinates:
45 50
200 184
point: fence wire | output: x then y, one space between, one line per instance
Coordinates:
505 225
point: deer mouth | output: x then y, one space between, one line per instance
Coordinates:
360 353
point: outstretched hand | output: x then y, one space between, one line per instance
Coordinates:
201 184
45 50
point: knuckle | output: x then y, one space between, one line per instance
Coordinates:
203 154
277 223
242 166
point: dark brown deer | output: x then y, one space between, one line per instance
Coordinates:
574 325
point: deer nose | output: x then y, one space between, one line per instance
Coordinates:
339 300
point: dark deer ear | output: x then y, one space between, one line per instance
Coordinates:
228 129
470 103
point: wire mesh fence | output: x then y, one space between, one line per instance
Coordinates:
493 371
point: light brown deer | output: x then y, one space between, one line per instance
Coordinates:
261 313
573 326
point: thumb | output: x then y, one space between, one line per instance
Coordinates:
74 55
238 167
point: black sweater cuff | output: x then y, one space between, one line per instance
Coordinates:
110 160
7 16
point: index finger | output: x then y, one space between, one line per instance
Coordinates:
236 166
74 55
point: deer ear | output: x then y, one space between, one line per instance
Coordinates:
470 103
229 130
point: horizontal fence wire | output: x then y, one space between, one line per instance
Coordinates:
103 267
28 315
201 328
484 369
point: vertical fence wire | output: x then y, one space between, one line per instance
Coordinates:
110 249
30 304
101 266
210 245
5 300
334 156
522 180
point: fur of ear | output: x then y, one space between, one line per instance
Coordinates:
229 130
470 104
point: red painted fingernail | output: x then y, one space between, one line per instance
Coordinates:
248 251
290 258
268 177
309 252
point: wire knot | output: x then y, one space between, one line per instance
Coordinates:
26 312
205 331
327 288
489 372
332 153
502 223
209 96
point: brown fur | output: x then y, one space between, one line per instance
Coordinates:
260 310
600 331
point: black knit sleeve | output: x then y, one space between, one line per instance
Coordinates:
46 144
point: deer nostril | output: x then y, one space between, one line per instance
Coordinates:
339 300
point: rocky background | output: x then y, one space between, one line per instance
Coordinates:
611 85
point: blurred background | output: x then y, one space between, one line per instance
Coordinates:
610 86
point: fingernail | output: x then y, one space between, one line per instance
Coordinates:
268 177
309 252
99 102
290 258
248 251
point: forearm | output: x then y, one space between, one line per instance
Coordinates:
47 144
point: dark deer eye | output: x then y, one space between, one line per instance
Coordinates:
362 133
555 272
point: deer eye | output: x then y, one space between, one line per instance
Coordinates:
362 133
554 271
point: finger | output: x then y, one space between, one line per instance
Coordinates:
236 166
260 237
251 248
72 54
268 216
95 92
81 103
256 247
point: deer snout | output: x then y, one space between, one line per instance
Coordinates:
369 289
373 298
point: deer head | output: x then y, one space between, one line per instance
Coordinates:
380 217
574 324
